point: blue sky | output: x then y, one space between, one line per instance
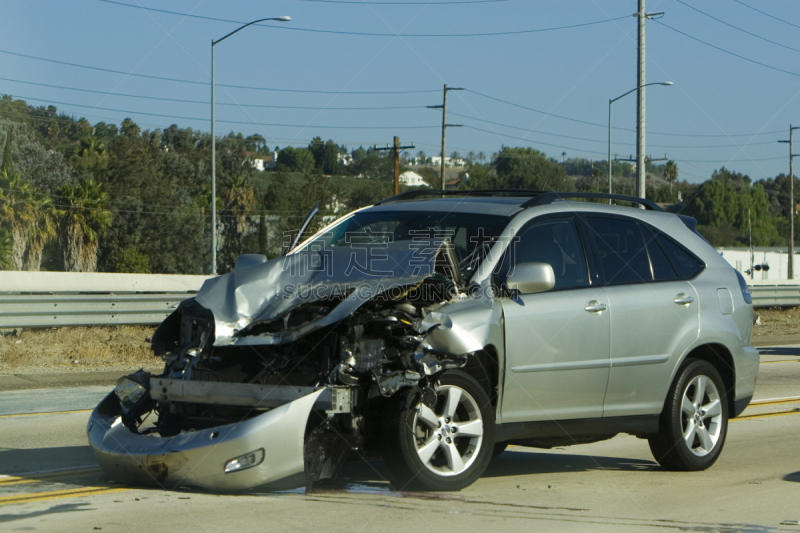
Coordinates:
721 110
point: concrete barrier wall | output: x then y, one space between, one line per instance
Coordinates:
60 282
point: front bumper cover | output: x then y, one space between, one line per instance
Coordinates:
198 458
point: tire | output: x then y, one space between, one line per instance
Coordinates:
694 421
445 448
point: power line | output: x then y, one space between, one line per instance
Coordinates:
205 83
603 141
727 51
533 142
766 14
205 102
203 119
738 28
369 34
66 119
520 106
727 160
366 2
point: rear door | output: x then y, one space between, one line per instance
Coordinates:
653 311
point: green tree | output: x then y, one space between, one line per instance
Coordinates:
5 250
42 231
671 173
18 211
132 261
526 168
239 200
83 219
296 160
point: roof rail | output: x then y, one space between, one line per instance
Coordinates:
418 193
550 197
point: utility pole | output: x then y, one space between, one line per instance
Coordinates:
445 125
791 201
641 170
396 148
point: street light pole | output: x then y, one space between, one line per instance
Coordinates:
611 101
214 143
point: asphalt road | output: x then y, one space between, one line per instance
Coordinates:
49 481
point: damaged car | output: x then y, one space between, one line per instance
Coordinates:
434 329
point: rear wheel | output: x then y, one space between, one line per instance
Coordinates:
444 446
694 422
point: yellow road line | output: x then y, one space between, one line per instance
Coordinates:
50 413
52 495
775 402
46 476
781 361
768 415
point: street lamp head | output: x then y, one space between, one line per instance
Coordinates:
666 83
283 19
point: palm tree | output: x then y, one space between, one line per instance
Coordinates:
5 250
82 220
18 213
481 157
42 231
671 173
239 198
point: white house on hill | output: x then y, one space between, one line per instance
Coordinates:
412 179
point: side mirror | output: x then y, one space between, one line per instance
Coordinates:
247 260
528 278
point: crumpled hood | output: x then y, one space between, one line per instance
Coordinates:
265 291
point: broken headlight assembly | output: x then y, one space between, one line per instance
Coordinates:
131 390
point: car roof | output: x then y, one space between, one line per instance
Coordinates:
488 205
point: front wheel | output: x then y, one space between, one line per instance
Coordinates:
444 446
694 422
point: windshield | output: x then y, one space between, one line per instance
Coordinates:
471 234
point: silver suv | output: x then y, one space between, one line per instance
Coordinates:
435 329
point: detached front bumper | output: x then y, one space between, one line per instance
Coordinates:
198 458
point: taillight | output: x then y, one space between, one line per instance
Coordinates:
748 298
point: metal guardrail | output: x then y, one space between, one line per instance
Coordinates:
49 310
775 295
20 310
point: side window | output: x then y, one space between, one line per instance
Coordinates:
557 243
662 267
622 252
686 264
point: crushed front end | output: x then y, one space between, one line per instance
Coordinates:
264 386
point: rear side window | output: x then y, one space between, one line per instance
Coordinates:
662 266
621 249
685 263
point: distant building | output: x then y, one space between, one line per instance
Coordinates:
262 162
345 159
452 184
448 162
412 179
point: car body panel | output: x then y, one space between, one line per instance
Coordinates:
649 334
553 373
198 458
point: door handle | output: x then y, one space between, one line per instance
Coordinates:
682 299
595 307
